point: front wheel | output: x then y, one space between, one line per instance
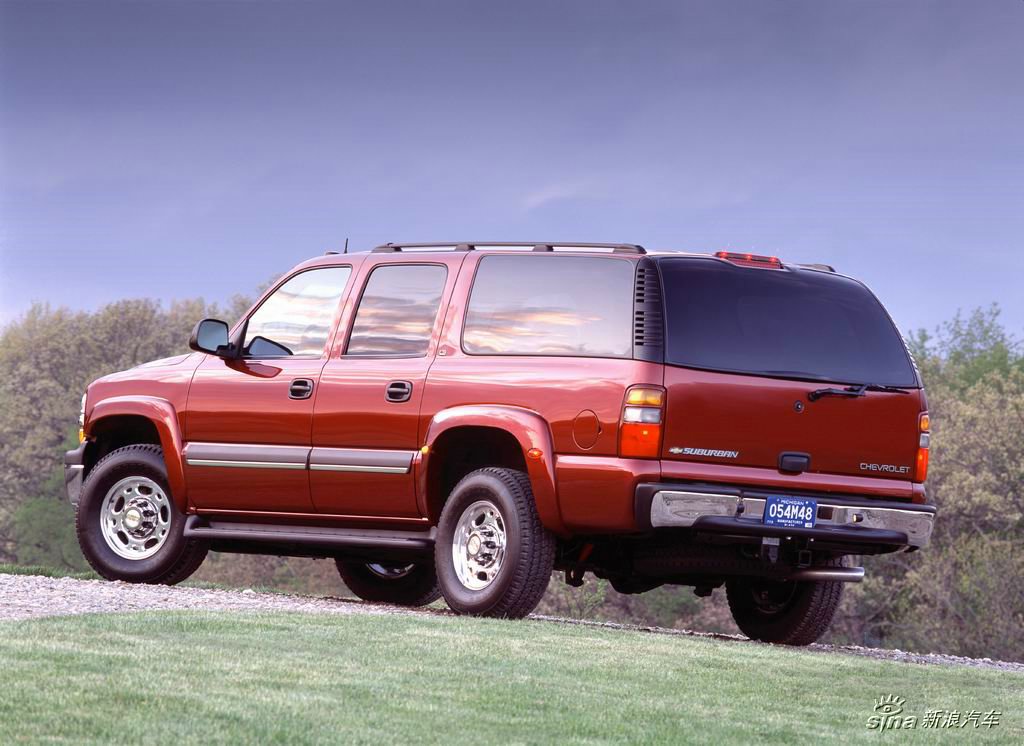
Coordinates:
399 584
784 612
493 555
128 526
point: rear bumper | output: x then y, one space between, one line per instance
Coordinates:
735 511
74 471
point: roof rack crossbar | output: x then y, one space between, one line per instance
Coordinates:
616 248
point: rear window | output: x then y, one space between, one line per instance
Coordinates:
550 305
791 324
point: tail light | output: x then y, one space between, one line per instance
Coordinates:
924 438
643 416
750 260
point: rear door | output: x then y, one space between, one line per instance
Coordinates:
747 347
366 422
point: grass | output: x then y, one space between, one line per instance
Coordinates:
46 572
296 678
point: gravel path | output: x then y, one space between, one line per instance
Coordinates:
33 596
30 596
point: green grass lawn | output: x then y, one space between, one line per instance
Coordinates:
202 677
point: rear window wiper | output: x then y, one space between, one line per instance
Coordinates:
854 391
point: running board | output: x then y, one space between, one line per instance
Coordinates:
237 535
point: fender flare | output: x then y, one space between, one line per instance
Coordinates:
527 427
165 419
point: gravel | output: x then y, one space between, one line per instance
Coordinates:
33 596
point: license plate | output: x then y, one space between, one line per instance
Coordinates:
790 512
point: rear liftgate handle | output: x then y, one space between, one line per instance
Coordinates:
398 391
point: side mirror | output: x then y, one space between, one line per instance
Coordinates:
210 335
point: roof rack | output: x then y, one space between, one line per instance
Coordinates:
818 266
614 248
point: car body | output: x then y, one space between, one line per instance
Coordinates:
618 382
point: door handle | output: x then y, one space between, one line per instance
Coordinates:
398 391
301 388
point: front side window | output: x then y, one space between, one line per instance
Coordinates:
296 319
548 305
397 311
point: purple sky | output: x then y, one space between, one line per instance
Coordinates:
175 149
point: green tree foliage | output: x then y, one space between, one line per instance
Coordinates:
47 358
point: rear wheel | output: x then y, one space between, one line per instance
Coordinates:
784 612
128 526
391 583
493 555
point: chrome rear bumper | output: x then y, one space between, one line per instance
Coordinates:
858 520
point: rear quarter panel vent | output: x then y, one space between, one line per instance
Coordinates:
648 314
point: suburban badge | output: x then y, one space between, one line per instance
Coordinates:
717 453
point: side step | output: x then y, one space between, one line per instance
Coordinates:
316 541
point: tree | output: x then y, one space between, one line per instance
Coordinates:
47 358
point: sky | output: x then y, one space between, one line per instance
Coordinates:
182 149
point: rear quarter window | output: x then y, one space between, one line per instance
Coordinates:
550 305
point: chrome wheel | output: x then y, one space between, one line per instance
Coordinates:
135 518
390 572
478 546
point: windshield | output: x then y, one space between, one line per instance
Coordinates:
788 323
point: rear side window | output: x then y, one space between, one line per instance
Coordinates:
790 324
297 318
550 305
397 311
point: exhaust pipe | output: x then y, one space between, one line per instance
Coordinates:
836 574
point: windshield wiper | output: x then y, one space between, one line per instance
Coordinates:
854 391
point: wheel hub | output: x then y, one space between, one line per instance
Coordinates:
135 518
132 518
478 546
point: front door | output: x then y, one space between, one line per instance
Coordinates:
249 420
366 424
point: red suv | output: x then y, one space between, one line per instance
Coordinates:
460 420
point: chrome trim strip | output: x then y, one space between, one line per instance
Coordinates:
361 459
353 467
245 456
242 454
245 464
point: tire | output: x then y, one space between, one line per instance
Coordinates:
787 613
137 476
510 537
408 585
